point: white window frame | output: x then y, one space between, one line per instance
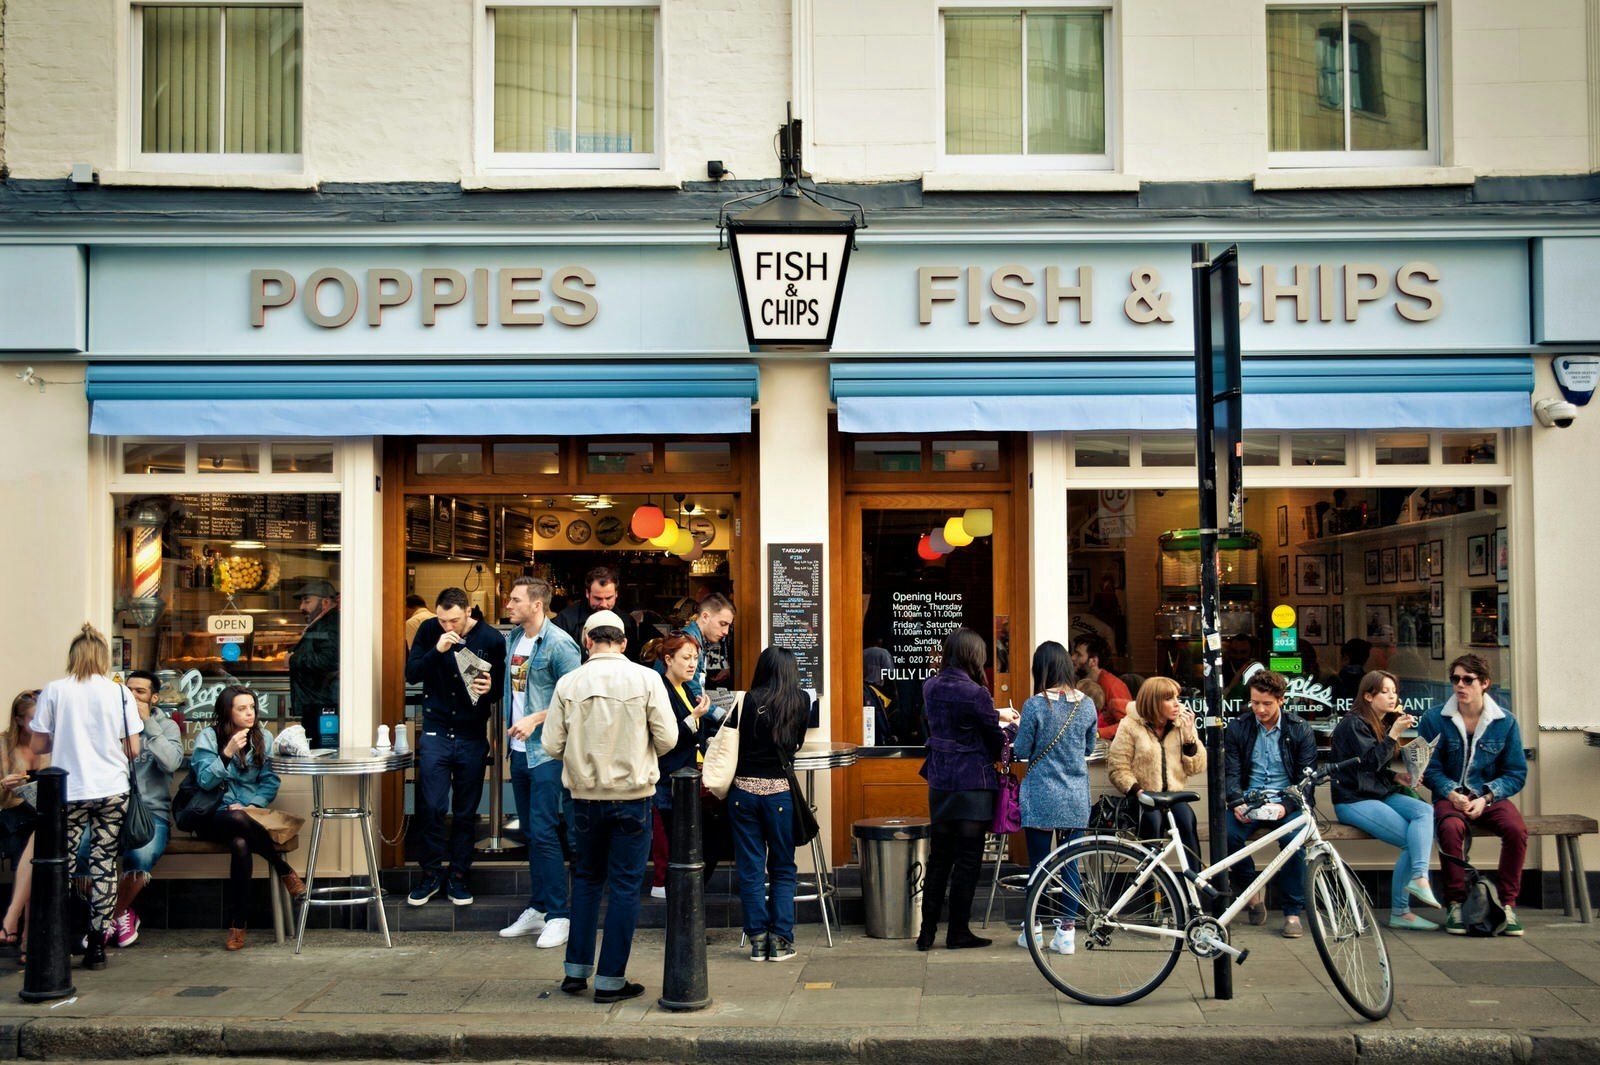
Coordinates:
1429 156
1007 164
205 162
490 161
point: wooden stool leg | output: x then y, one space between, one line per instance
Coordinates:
1564 876
275 889
1580 881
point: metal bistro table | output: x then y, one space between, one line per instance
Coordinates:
363 763
807 760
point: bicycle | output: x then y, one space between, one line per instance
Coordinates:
1135 914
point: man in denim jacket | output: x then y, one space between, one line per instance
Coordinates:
1478 765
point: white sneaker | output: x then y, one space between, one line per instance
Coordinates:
1065 941
1038 937
529 922
555 932
659 892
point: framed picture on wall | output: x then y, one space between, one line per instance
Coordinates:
1436 558
1311 574
1336 573
1283 526
1077 586
1336 624
1314 624
1438 643
1503 612
1372 567
1406 557
1283 575
1386 564
1478 556
1424 562
1378 621
1436 599
1502 556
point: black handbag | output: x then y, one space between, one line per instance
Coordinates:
1113 815
1482 913
138 823
193 806
805 822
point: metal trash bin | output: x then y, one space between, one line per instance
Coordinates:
894 857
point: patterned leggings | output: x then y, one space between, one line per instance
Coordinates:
102 819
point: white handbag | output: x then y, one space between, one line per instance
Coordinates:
722 757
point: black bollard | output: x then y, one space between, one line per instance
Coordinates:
683 980
49 971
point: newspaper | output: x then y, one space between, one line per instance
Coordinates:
1413 758
471 668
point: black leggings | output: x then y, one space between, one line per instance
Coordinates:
955 858
244 836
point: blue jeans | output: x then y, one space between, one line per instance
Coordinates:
613 841
763 856
541 802
1399 821
140 861
1041 841
449 780
1291 879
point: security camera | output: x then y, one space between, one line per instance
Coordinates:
1557 413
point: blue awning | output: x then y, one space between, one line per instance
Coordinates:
1442 392
419 399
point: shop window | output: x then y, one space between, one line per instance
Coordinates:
159 456
218 85
1473 448
887 456
1027 83
1261 449
1400 449
966 456
574 86
302 458
620 456
223 456
1318 449
1090 451
539 458
449 460
1352 85
1162 449
698 456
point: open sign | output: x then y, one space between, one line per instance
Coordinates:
230 624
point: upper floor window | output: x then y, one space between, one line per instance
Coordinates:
573 85
1353 86
1026 82
218 86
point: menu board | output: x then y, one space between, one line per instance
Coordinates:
516 536
419 523
794 595
273 519
472 530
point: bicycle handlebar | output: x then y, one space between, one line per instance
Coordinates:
1294 795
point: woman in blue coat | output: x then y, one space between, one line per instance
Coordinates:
1056 736
964 740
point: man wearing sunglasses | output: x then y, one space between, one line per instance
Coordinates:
1478 765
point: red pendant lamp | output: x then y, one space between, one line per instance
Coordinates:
926 550
648 522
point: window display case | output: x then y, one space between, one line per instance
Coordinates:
1177 616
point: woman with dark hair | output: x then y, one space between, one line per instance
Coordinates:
680 653
772 726
1157 749
86 723
1369 798
17 818
1056 736
964 740
231 757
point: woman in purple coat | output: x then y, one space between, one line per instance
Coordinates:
964 741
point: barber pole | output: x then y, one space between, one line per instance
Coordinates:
146 562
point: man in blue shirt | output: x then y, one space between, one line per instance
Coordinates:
1266 752
711 625
538 653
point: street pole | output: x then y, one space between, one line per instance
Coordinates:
49 970
684 984
1212 324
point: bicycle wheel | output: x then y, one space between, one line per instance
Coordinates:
1112 963
1349 939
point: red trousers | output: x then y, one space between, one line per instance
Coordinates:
1499 819
658 850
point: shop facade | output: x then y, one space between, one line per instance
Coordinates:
394 415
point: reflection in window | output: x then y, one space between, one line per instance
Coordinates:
1401 449
1176 449
1317 449
1260 449
225 457
887 456
163 456
449 460
621 456
300 457
541 458
699 456
1469 448
963 456
1100 450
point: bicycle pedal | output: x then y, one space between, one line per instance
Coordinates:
1243 954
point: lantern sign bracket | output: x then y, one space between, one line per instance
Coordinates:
786 144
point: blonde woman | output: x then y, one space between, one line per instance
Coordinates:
17 818
87 723
1157 749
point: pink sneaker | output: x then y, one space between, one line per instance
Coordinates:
125 929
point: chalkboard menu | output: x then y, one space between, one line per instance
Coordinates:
419 523
516 537
304 519
472 530
794 592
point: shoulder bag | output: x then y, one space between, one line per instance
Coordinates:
722 756
804 820
138 824
193 806
1482 913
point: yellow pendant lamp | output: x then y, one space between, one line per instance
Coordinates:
667 537
684 544
955 533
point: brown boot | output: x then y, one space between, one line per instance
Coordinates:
235 939
294 886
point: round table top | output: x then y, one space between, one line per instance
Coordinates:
1593 736
833 755
348 762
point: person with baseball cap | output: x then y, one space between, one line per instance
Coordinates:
314 662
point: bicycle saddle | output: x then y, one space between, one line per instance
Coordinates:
1161 800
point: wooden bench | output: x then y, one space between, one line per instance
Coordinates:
183 843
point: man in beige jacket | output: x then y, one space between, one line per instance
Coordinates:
609 721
